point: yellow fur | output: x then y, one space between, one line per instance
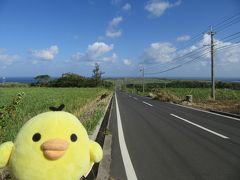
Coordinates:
27 161
5 152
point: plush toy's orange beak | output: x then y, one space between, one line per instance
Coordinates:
54 149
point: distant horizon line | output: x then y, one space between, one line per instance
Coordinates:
115 77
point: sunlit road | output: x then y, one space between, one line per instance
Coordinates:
155 140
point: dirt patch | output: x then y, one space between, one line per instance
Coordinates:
5 174
229 106
166 97
224 106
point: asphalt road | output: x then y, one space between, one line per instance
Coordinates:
156 140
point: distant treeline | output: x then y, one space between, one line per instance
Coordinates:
73 80
70 80
185 84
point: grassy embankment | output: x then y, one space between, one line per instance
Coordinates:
227 100
88 104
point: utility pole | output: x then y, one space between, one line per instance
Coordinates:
142 70
211 33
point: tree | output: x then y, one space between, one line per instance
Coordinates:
97 75
70 80
42 79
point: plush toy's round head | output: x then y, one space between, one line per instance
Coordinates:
53 145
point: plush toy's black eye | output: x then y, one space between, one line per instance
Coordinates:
36 137
73 137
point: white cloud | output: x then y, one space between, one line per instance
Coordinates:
183 38
115 21
8 59
112 58
127 62
112 30
45 54
77 57
159 53
95 52
158 7
127 7
162 56
99 48
113 34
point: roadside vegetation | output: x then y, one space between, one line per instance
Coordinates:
85 97
18 105
227 93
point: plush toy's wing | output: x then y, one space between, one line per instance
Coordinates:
96 152
5 152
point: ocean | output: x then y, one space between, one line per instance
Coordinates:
17 79
31 79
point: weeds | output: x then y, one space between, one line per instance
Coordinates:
16 110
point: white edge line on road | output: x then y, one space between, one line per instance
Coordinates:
147 103
135 98
130 172
206 111
208 130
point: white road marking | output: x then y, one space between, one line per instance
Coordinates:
208 130
147 103
206 111
135 98
130 172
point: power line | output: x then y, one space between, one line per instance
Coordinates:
193 39
180 57
230 36
233 38
187 62
226 23
225 26
180 65
229 46
226 19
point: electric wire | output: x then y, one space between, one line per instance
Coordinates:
177 58
226 19
178 66
223 25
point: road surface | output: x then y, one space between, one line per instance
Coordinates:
156 140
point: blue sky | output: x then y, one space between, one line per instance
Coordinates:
57 36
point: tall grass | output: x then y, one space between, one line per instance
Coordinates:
38 100
204 93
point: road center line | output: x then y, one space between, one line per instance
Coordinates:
130 172
208 130
147 103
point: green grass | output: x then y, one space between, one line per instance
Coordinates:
198 94
204 93
38 100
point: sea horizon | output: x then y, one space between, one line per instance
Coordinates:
31 79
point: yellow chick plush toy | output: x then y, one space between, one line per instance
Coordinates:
52 145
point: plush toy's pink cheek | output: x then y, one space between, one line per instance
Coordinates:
54 149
